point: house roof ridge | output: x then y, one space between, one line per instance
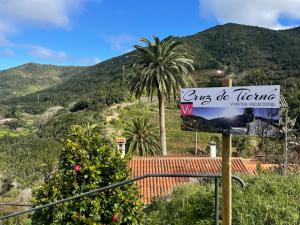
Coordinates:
181 156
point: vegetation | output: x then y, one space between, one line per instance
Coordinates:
267 199
30 144
178 141
141 137
163 68
32 77
27 159
88 161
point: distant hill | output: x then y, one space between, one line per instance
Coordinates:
251 55
32 77
96 84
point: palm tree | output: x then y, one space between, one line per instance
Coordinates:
141 137
163 68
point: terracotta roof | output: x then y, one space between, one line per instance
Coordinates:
253 165
151 187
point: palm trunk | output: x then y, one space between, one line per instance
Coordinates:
162 124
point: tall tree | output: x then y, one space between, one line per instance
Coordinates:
163 68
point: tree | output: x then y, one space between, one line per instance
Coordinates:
163 67
250 113
141 136
88 161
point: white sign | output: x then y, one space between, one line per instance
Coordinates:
235 97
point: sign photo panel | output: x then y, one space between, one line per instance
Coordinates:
247 110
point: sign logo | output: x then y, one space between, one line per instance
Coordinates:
186 108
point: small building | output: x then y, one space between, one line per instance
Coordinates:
159 186
121 141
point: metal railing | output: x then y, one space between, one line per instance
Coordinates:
208 176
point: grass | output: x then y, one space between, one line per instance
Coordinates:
5 131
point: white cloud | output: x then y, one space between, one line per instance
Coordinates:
89 61
8 53
17 14
5 28
46 53
96 60
119 42
264 13
53 12
4 41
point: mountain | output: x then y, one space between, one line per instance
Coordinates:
32 77
246 47
251 55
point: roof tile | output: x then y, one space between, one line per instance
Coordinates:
151 187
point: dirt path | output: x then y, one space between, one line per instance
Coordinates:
113 113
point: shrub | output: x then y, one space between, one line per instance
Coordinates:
14 124
268 199
7 185
88 162
79 106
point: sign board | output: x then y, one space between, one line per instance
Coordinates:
251 110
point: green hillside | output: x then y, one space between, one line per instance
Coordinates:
32 77
246 47
251 55
95 84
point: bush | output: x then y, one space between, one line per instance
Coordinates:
7 185
14 124
79 106
88 162
189 204
268 199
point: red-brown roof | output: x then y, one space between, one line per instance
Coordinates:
151 187
254 164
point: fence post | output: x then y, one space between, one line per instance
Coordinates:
216 200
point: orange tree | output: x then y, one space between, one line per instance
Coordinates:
87 162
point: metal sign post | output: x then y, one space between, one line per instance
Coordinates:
226 172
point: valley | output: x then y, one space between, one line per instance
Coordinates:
39 103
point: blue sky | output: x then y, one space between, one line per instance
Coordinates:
85 32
